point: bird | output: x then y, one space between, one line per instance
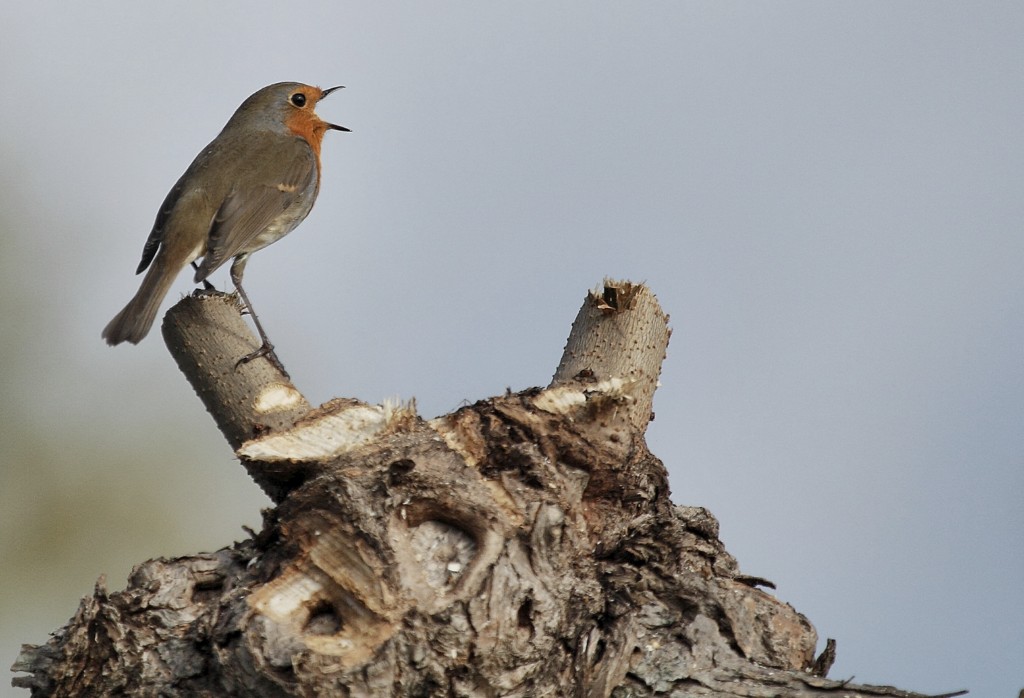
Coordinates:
252 185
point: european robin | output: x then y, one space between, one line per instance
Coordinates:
249 187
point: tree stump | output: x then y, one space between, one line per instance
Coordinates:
525 545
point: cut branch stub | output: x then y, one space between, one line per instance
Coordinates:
620 333
206 335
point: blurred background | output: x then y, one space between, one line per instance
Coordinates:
826 197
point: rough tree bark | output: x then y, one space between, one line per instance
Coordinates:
525 545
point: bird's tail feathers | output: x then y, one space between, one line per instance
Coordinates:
135 320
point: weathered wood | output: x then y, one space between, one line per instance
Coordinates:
621 334
206 335
525 545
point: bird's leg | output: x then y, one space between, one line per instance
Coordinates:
266 349
207 286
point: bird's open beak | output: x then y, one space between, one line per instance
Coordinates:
324 93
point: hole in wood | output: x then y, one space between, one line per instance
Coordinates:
398 470
443 551
611 297
323 620
524 616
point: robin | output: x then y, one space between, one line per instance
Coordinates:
249 187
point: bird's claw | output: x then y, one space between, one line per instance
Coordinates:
266 350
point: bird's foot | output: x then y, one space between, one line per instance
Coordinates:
207 286
267 350
207 290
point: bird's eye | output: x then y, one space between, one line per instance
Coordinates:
298 99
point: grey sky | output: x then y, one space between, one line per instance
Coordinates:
824 196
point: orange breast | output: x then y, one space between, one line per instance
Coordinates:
310 127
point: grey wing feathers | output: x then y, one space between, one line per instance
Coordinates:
246 213
156 235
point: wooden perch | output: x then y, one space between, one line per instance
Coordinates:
525 545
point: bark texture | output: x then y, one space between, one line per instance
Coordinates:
525 545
